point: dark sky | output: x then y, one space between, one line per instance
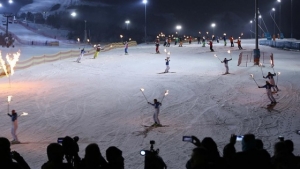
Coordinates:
230 16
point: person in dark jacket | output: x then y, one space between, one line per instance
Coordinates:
14 127
156 105
114 158
7 157
225 61
93 158
268 87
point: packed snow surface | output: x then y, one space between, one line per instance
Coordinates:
100 101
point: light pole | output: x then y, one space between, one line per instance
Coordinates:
145 2
178 27
291 18
259 17
85 33
127 22
213 26
273 9
279 1
251 28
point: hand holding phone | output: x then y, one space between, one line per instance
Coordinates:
239 138
187 139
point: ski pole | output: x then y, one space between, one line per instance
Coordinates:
253 79
260 64
217 57
166 93
142 90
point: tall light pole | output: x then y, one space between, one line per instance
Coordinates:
279 1
291 18
145 2
178 27
273 9
256 51
213 26
127 22
85 33
251 28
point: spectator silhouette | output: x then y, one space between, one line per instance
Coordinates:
6 157
283 158
199 159
213 154
93 158
229 152
55 155
114 158
250 157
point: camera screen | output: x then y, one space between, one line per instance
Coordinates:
187 138
239 138
60 140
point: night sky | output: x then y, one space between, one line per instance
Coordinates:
230 16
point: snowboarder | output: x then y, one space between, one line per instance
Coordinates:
14 127
269 93
224 38
211 46
271 80
82 52
157 46
203 41
167 65
231 41
98 48
126 47
156 105
225 61
239 42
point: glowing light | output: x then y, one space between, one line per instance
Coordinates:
273 9
10 1
73 14
213 25
2 62
165 50
278 73
178 27
12 61
142 89
127 22
215 55
24 114
251 21
9 99
145 1
251 75
166 92
228 51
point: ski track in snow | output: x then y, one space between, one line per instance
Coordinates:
100 101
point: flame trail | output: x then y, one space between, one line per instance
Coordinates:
12 61
2 62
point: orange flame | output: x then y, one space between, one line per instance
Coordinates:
13 60
2 62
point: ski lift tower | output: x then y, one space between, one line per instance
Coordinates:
7 16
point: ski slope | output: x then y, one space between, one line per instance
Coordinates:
100 101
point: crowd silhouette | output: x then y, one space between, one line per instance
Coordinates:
205 155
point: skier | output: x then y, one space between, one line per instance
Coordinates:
190 40
225 61
169 42
167 65
271 80
224 38
239 42
98 48
231 41
82 52
176 40
166 41
126 47
211 46
156 105
180 42
198 39
14 127
203 41
157 46
269 93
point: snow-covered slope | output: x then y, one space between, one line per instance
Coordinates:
100 101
